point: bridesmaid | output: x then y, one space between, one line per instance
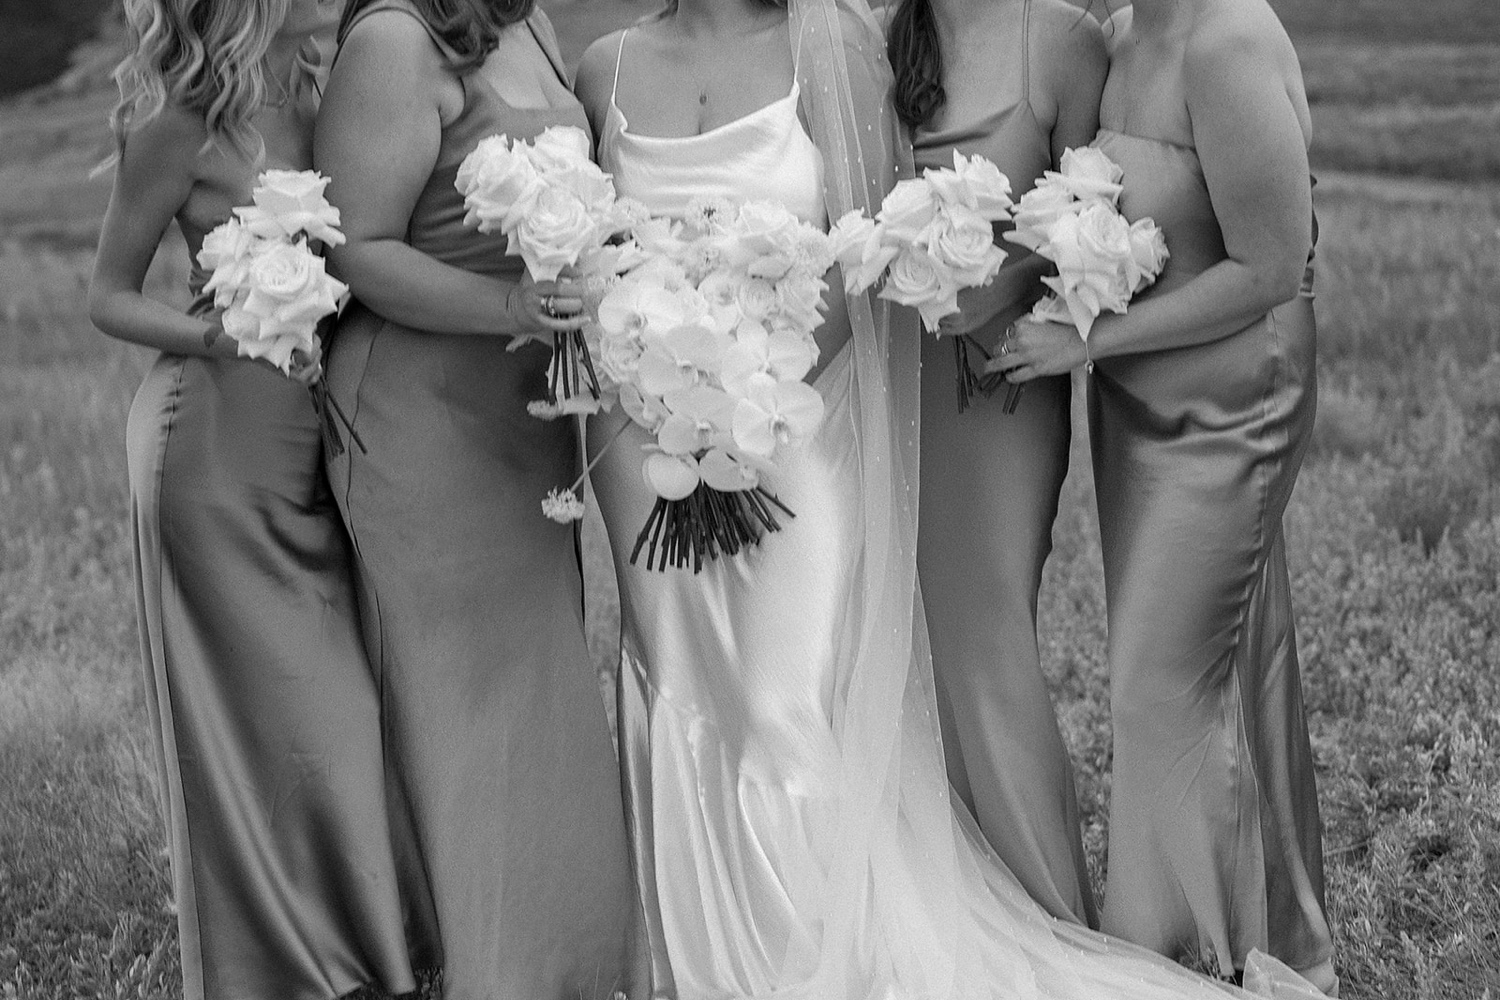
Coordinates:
1200 411
264 710
496 734
1015 81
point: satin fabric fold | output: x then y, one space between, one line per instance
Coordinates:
497 744
264 711
1215 838
990 486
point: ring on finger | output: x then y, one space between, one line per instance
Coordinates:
547 304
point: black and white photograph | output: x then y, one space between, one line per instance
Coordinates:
749 499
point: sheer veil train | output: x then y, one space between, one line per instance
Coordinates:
910 901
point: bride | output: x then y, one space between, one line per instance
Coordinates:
790 817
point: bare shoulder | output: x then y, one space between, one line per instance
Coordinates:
1245 33
597 67
169 144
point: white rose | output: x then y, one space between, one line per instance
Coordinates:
965 241
907 212
765 227
1039 208
499 185
289 203
1088 173
859 252
917 279
1148 254
988 187
289 292
1090 250
553 234
226 253
757 298
560 147
799 300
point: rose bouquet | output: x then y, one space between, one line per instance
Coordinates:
933 236
1072 218
270 284
706 344
557 210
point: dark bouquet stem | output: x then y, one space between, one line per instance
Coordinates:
330 415
704 525
572 368
973 383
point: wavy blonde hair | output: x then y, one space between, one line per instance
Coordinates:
206 57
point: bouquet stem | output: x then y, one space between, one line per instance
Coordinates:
705 524
330 415
572 368
1012 397
970 382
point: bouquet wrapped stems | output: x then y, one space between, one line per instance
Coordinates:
572 369
330 415
704 524
972 382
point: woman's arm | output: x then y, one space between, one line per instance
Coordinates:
1253 150
1068 67
378 135
154 176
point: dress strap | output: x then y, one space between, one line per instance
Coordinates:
1026 53
546 38
619 58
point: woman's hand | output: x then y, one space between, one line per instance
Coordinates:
1032 350
974 311
547 305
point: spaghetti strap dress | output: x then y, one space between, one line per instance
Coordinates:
263 708
1215 843
990 486
497 743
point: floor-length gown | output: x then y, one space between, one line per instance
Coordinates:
1214 835
990 485
723 672
497 739
263 706
792 829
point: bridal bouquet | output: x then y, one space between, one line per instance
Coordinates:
706 342
270 285
933 236
557 210
1072 218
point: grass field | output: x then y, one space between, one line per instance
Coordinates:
1394 535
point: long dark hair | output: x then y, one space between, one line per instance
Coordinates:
917 58
470 27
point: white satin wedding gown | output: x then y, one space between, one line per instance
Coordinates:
763 871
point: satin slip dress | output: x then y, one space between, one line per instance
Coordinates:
1215 842
498 745
263 708
990 485
725 675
